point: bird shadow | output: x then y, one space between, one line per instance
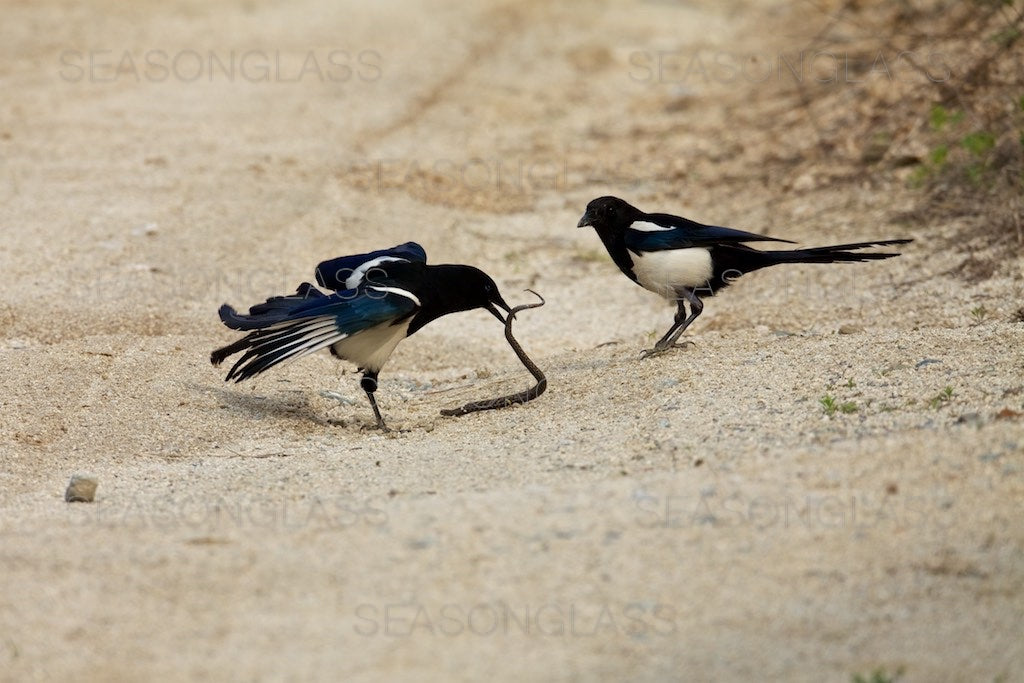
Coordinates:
286 404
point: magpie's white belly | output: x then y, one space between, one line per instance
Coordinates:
371 348
664 272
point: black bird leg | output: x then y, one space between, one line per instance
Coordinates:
682 321
369 385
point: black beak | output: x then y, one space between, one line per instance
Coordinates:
586 220
494 311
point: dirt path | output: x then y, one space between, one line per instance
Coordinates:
697 516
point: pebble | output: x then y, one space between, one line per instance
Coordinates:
804 182
850 329
146 229
81 489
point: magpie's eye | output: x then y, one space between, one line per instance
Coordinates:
609 210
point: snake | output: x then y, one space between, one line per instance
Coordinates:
519 397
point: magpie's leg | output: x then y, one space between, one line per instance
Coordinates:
369 385
664 342
682 321
696 308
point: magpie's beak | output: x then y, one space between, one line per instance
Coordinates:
587 219
494 311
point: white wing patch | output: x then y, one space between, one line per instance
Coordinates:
646 226
663 272
397 290
357 276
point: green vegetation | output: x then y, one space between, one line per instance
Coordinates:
977 145
939 117
830 405
878 676
943 398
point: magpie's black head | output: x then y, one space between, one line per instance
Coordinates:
463 288
609 213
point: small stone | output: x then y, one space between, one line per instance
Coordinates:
804 182
850 329
147 230
81 489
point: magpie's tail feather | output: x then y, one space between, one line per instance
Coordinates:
219 355
271 313
265 348
834 254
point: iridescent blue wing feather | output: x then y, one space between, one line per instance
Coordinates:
348 272
310 325
665 231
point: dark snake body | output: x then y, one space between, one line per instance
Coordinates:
511 399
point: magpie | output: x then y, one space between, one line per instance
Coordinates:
378 299
682 260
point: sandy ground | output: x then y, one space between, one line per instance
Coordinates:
695 516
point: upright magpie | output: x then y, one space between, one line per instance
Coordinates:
379 299
678 258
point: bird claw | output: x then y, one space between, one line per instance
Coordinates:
656 351
367 426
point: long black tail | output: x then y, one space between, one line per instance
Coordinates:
733 260
833 254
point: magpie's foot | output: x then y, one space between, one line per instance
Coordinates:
395 432
658 350
379 428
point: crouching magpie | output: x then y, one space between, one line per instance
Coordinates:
679 258
379 299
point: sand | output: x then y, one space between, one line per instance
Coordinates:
695 516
